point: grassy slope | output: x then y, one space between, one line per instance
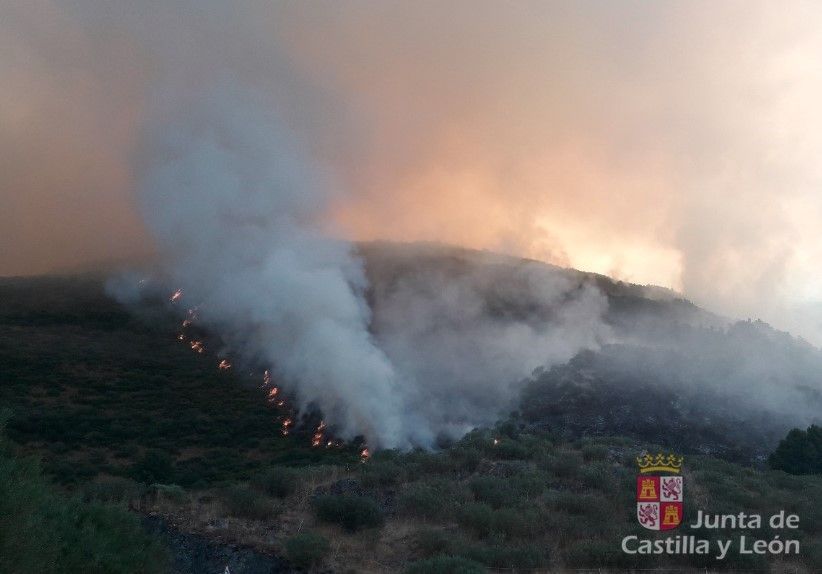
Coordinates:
92 389
508 499
43 531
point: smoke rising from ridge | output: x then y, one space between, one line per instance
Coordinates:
669 143
233 203
230 199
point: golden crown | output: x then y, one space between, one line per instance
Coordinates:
660 462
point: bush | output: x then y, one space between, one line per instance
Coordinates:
466 458
592 452
169 493
244 503
351 512
278 482
423 501
516 522
43 532
577 504
800 452
306 549
112 489
562 464
429 542
381 473
492 490
477 517
445 565
155 466
505 557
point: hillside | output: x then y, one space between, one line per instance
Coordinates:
123 414
664 370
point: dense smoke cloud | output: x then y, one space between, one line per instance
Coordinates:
230 199
466 329
234 183
671 143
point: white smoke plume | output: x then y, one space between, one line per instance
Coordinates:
469 327
235 205
232 202
235 182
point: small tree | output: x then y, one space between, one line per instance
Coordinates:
306 549
351 512
800 452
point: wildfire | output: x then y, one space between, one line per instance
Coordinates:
317 439
176 296
274 397
365 454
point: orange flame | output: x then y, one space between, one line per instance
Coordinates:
197 346
176 296
224 365
317 439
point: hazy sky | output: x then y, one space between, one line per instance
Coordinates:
675 143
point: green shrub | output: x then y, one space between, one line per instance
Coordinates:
430 542
155 466
378 473
477 517
445 565
562 464
597 475
465 458
113 489
594 452
575 503
492 490
516 522
42 532
169 493
800 452
420 501
245 503
508 449
351 512
306 549
505 557
278 482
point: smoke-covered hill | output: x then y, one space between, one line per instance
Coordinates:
654 365
471 333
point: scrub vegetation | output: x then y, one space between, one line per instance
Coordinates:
125 418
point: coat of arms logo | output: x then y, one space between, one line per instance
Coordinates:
659 495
